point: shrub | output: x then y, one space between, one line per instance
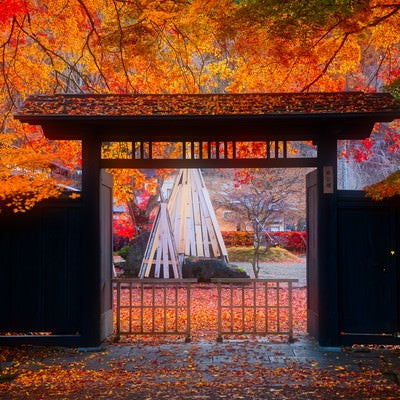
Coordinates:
237 239
203 269
123 252
292 241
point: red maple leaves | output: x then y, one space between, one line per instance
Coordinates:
10 9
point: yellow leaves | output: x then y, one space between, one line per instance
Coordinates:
125 182
26 171
22 192
348 59
154 46
74 195
157 369
385 33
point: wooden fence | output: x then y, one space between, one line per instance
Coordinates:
166 306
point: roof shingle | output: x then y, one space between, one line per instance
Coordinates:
180 105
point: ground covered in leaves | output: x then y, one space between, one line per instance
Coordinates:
151 368
242 367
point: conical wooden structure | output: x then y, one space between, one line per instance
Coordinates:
185 226
161 259
193 219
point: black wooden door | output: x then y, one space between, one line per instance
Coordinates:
41 264
368 270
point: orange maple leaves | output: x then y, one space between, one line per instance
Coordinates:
183 47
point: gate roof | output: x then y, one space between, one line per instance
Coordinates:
301 116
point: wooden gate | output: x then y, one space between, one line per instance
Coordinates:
208 131
41 258
368 273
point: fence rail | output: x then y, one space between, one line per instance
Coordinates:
153 306
165 306
255 306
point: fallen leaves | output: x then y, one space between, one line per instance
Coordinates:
158 367
157 309
143 105
203 370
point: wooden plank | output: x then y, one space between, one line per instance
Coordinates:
161 250
194 224
153 247
188 215
217 231
163 240
199 239
176 266
143 267
173 257
213 237
211 223
216 239
182 223
176 219
176 189
204 229
187 225
158 258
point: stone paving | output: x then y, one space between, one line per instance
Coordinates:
256 351
248 368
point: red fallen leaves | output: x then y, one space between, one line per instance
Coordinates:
154 371
203 316
153 367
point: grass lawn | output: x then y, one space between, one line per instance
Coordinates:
273 254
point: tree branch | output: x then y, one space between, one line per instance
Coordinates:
327 65
87 43
121 47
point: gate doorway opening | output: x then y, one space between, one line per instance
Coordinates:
266 201
201 124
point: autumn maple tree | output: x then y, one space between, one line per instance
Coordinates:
176 46
256 199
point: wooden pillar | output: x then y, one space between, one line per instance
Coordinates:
90 274
327 241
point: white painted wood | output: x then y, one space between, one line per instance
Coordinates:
161 250
195 225
185 226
